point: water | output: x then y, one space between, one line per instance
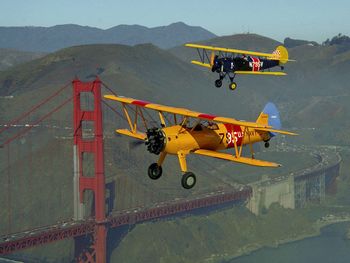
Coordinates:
331 246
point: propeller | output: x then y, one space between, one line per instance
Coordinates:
155 140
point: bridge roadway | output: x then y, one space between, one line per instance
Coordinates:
70 229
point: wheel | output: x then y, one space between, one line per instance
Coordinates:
218 83
188 180
267 144
233 85
155 171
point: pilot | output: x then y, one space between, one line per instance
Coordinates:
212 125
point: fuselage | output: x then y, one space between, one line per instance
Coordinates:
216 137
248 63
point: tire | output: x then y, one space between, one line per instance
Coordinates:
188 180
267 144
155 171
233 85
218 83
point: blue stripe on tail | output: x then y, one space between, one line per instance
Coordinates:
274 117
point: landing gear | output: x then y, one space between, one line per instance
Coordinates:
155 171
267 144
188 180
218 83
233 86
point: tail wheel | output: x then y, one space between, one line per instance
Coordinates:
233 85
188 180
218 83
155 171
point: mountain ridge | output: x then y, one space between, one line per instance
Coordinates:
49 39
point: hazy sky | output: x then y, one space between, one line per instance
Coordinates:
304 19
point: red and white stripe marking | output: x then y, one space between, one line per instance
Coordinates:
255 64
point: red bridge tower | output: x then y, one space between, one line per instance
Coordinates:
94 147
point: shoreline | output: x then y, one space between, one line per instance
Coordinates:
248 249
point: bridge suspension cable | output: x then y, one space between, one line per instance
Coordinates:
43 102
21 133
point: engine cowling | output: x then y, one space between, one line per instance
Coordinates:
155 141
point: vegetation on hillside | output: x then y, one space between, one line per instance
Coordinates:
212 238
338 40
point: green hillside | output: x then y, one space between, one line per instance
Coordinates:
11 57
213 238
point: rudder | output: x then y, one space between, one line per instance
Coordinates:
270 116
281 54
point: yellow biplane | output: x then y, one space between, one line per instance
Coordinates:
206 135
229 62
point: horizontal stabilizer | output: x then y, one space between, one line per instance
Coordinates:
271 73
200 63
136 135
230 157
276 131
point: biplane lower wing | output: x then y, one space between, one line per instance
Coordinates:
207 65
232 158
270 73
241 72
136 135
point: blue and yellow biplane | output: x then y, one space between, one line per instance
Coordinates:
229 62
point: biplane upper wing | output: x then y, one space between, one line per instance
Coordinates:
233 158
230 50
183 112
194 114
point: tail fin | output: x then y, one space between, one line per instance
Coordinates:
270 116
281 54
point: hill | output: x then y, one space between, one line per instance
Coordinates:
11 57
48 39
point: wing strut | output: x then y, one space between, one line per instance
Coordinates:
133 123
250 142
203 56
